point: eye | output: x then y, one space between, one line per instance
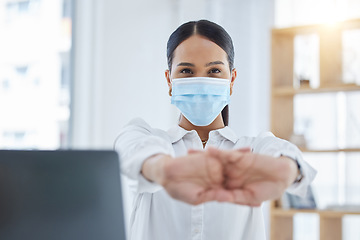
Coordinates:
186 71
214 70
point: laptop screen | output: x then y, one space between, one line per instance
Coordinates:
60 195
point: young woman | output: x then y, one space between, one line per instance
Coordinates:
199 180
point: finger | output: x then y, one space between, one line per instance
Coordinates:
235 156
214 152
207 196
192 193
211 168
245 197
191 151
245 149
241 166
225 156
235 183
240 179
217 194
223 195
221 155
229 159
214 170
225 153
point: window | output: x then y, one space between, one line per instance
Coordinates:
15 10
351 56
35 77
302 12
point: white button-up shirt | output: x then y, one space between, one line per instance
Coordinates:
157 216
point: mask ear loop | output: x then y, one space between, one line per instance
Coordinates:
170 88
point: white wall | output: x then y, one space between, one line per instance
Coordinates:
249 24
119 68
120 58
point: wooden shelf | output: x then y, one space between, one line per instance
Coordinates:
307 29
330 150
330 223
289 91
282 109
327 213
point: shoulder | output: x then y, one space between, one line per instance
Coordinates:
260 141
140 125
268 143
265 138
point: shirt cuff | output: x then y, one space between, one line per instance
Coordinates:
299 188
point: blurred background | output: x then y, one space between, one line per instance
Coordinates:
74 72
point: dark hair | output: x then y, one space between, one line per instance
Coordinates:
209 30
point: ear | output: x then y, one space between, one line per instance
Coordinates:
233 77
168 79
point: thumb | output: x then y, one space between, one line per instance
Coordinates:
244 150
191 151
222 155
214 152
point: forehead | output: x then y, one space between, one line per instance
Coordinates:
198 50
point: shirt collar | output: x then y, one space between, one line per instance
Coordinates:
176 133
229 134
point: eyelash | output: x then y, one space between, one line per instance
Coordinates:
211 71
214 70
188 71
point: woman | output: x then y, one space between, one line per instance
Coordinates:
199 180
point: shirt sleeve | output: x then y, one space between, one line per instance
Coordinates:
267 143
137 142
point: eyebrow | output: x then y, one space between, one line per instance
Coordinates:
206 65
186 64
214 63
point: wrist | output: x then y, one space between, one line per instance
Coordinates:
153 168
293 170
299 175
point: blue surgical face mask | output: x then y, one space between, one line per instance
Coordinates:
200 99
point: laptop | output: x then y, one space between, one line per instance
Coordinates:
60 195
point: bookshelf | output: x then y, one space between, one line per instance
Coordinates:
285 89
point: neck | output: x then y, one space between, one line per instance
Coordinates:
202 131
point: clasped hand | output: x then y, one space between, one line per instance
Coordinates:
236 176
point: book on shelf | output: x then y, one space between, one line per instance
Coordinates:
288 201
344 207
